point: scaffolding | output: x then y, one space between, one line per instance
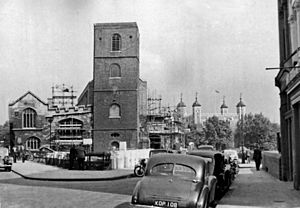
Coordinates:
62 96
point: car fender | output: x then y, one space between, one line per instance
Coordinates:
135 194
212 183
203 197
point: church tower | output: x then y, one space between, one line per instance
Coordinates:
196 112
116 83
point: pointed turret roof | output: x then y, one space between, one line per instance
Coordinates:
224 105
196 104
181 103
241 103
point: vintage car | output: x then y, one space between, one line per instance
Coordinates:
205 147
5 160
140 167
218 168
175 180
159 151
231 154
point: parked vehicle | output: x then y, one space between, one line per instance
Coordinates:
139 169
175 180
218 168
231 154
5 160
206 147
231 157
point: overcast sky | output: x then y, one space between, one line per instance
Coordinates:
185 47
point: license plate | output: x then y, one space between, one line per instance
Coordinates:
161 203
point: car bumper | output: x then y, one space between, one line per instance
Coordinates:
5 166
144 206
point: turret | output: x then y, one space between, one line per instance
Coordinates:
196 112
241 108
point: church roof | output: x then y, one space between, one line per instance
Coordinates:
30 93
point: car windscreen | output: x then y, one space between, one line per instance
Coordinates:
173 169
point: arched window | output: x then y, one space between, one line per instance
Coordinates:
114 111
29 118
115 70
70 130
116 42
33 143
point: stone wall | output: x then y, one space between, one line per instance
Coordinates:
271 162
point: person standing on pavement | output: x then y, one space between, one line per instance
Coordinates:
257 157
72 156
80 156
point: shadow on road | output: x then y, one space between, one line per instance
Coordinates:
123 205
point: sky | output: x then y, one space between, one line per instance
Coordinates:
186 47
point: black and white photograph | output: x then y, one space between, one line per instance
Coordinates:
149 103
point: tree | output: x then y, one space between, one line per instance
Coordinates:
196 135
256 129
4 134
217 132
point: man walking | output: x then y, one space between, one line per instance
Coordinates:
257 157
80 156
72 156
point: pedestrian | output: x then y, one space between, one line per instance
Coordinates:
248 156
72 157
257 157
80 156
23 155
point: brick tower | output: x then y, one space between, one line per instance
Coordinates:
116 85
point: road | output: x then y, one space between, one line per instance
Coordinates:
18 192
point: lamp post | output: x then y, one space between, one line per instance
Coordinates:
243 138
50 119
241 111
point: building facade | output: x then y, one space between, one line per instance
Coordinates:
34 123
118 91
28 123
288 82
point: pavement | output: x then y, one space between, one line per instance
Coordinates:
258 189
39 171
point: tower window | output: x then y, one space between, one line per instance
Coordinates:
116 42
29 118
114 111
115 70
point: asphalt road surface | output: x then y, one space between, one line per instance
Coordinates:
18 192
